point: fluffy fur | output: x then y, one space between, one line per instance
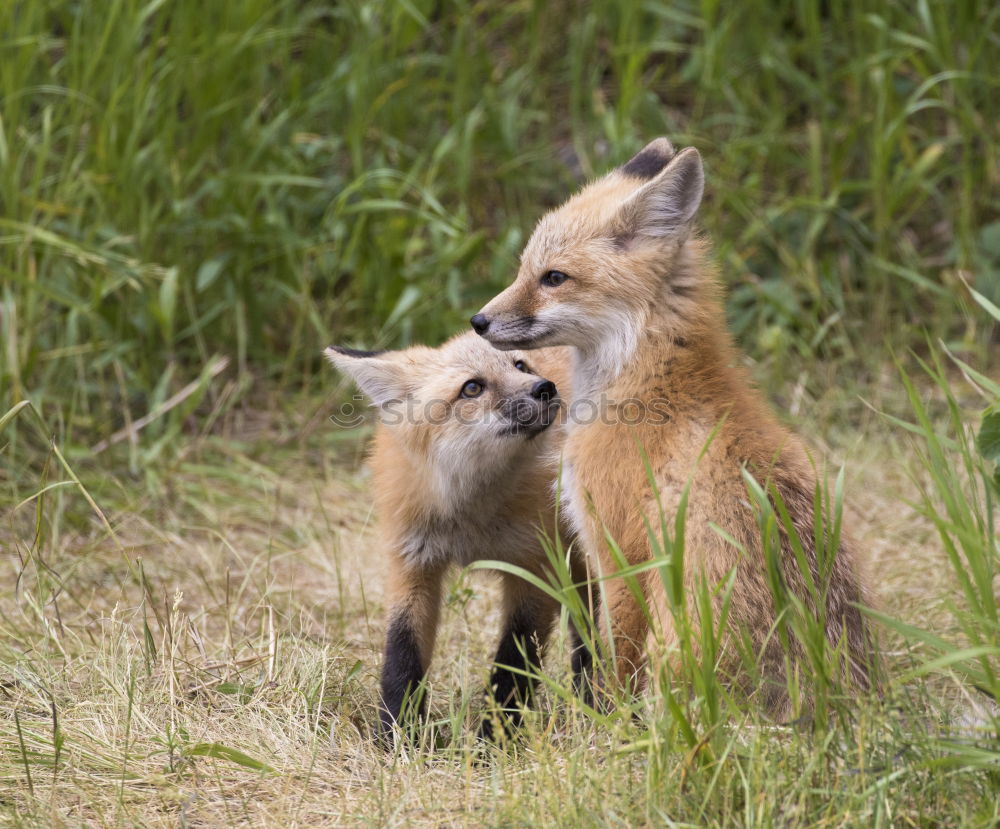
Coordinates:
641 310
458 480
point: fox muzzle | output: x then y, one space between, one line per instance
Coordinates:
510 334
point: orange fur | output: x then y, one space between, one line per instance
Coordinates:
641 309
454 485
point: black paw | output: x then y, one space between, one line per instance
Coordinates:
499 727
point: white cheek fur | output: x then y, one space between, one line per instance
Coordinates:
570 505
605 342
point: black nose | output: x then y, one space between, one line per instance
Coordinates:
480 323
544 390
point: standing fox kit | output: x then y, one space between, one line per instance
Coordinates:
463 465
616 273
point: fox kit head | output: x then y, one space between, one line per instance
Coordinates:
595 266
465 408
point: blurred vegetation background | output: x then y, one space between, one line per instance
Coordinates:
197 197
253 179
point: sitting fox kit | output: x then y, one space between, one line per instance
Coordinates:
463 465
616 274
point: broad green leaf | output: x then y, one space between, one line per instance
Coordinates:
990 307
209 272
223 752
988 441
168 301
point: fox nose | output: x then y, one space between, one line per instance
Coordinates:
480 324
544 390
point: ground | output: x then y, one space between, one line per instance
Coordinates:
209 656
196 198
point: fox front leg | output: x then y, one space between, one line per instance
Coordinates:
625 627
528 619
413 619
582 641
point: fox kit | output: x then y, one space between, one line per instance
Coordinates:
616 274
464 461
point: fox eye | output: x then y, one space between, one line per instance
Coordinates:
553 279
520 365
472 388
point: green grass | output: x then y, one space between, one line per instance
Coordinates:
195 198
209 654
254 179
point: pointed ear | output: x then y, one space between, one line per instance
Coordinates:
664 207
377 373
650 160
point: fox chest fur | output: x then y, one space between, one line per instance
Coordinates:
621 475
432 523
482 533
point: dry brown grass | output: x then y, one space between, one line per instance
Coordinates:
255 571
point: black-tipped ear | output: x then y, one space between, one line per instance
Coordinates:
354 352
377 373
665 206
650 160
